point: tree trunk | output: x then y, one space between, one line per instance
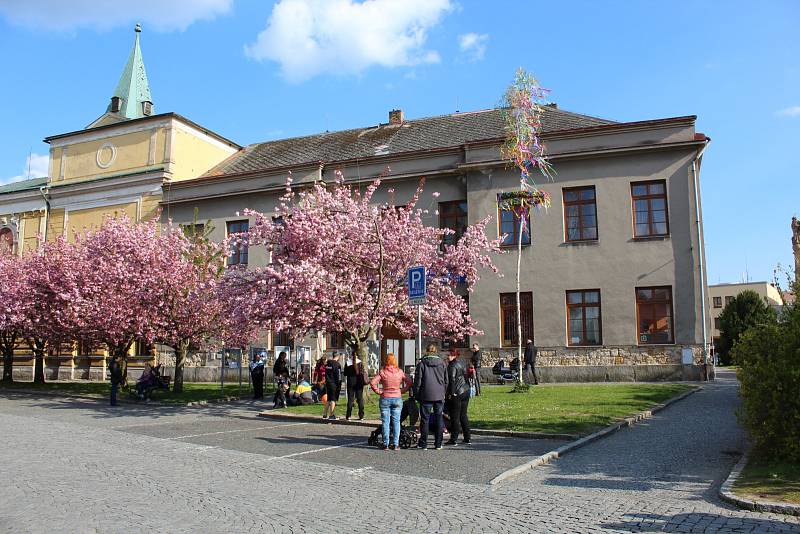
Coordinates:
8 342
181 352
38 363
8 363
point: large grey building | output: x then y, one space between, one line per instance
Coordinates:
612 275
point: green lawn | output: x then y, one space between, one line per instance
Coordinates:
192 392
554 409
772 481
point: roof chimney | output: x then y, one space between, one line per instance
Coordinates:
396 116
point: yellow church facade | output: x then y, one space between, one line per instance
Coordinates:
122 162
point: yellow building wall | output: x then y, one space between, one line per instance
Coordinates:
83 220
192 156
31 225
55 224
150 206
132 154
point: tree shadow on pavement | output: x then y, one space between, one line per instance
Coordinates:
700 522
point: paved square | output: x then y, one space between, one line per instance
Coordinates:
79 466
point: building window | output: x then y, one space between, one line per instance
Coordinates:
509 227
728 300
6 242
508 317
238 250
654 315
580 214
717 323
717 302
649 209
334 340
583 316
281 339
453 215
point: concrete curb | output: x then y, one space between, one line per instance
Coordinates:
120 398
582 442
727 495
269 414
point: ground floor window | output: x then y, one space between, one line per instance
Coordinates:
460 344
654 315
508 317
334 340
583 317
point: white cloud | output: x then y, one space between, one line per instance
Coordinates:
312 37
791 111
62 15
473 44
38 165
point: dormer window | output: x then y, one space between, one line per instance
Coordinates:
147 108
116 104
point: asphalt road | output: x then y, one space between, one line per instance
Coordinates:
72 465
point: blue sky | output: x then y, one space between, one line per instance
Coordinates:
238 67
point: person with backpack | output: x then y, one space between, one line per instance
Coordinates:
393 383
530 363
430 388
355 381
115 370
458 392
333 386
257 375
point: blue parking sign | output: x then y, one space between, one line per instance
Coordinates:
417 289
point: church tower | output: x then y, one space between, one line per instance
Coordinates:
131 98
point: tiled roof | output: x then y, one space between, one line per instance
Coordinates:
23 185
387 139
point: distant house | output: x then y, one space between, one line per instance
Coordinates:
722 294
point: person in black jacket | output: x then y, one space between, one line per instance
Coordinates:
354 375
257 375
333 386
430 388
457 398
115 370
530 363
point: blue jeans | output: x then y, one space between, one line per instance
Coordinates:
426 408
391 408
114 394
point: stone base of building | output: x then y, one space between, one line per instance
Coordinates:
610 373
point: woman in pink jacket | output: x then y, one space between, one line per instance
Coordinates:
394 383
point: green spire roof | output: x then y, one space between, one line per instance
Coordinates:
132 89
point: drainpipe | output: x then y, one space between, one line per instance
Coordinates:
701 250
42 190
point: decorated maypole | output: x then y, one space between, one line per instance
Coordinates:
522 109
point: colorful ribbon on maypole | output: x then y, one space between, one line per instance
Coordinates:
522 112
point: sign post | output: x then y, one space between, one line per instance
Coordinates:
417 294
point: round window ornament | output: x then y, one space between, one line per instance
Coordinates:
106 155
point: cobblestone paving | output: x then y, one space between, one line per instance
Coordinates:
68 469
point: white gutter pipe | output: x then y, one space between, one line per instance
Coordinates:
700 252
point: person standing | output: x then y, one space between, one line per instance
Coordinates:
394 383
257 375
115 370
355 381
281 368
457 399
430 387
476 358
530 363
333 386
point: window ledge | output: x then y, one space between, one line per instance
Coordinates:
581 243
651 238
524 245
656 344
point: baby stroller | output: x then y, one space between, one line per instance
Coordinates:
408 437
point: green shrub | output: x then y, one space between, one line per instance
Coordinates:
768 356
746 310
